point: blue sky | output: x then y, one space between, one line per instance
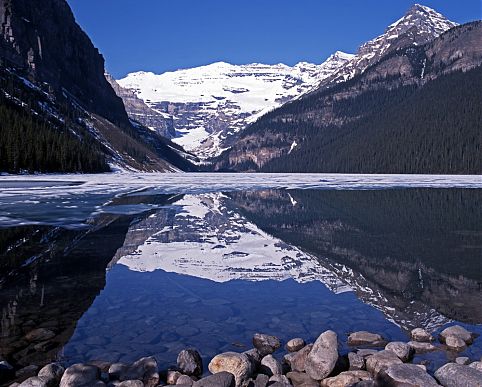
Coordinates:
163 35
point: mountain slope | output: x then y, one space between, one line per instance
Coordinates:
211 104
53 77
327 114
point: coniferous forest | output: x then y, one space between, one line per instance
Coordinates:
436 128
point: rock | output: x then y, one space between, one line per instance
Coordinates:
270 366
455 343
323 356
51 374
420 335
40 334
189 362
456 375
477 365
265 344
27 372
457 331
366 383
172 376
221 379
185 380
261 380
356 361
144 369
33 381
366 352
381 361
300 379
298 361
419 347
405 375
365 338
131 383
7 371
254 357
14 384
279 380
116 369
80 375
236 363
102 365
294 345
462 360
402 350
346 378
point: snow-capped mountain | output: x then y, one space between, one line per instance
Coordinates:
418 26
211 103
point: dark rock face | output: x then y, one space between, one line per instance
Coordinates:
190 363
43 38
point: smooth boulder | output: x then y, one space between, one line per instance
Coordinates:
33 381
456 375
144 369
266 344
323 356
346 378
420 335
221 379
80 375
456 331
189 362
295 345
298 360
422 347
365 338
455 343
301 379
406 375
270 366
356 362
402 350
51 374
237 364
381 361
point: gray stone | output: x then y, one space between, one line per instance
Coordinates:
457 331
254 357
221 379
420 335
298 361
402 350
346 378
419 347
462 360
295 345
172 376
185 380
51 374
236 363
356 361
80 375
116 369
279 380
301 379
266 344
323 356
270 366
455 343
381 361
405 375
144 369
131 383
261 380
366 383
365 338
456 375
33 381
366 352
477 365
189 362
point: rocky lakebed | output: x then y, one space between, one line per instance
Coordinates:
372 361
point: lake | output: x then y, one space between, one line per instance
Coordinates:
121 266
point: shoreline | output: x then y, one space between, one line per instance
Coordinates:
372 361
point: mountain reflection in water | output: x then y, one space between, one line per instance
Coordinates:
181 267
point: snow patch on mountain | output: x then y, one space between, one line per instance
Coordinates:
211 103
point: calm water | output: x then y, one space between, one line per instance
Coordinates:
123 268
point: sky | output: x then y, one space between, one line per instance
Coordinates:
166 35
